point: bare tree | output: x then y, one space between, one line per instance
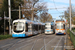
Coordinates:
45 17
66 15
29 4
38 8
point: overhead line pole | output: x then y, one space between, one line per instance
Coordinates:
19 12
9 16
32 15
70 13
4 22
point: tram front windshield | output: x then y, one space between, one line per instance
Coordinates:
48 26
60 25
18 27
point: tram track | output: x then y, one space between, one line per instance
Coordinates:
20 40
38 42
47 43
58 43
35 40
33 43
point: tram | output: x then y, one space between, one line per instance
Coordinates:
24 28
49 28
60 27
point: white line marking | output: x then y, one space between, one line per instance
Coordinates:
58 43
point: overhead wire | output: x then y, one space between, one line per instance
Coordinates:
55 6
57 13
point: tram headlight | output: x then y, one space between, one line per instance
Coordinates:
63 31
56 31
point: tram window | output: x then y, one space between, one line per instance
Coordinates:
51 27
64 26
33 27
40 27
26 28
45 24
37 27
29 26
45 27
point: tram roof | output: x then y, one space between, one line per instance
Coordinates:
59 20
25 20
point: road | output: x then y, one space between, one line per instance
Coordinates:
37 42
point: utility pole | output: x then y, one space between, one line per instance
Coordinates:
4 23
70 13
19 12
32 15
9 16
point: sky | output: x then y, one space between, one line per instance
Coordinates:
64 4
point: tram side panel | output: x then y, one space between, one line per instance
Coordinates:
24 28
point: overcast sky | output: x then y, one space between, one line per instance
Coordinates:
64 4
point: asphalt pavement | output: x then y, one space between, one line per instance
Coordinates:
37 42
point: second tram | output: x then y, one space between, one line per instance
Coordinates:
49 28
60 27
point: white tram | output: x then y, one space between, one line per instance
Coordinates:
49 28
24 28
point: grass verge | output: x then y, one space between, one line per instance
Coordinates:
5 37
72 37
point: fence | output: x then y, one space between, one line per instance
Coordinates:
72 36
